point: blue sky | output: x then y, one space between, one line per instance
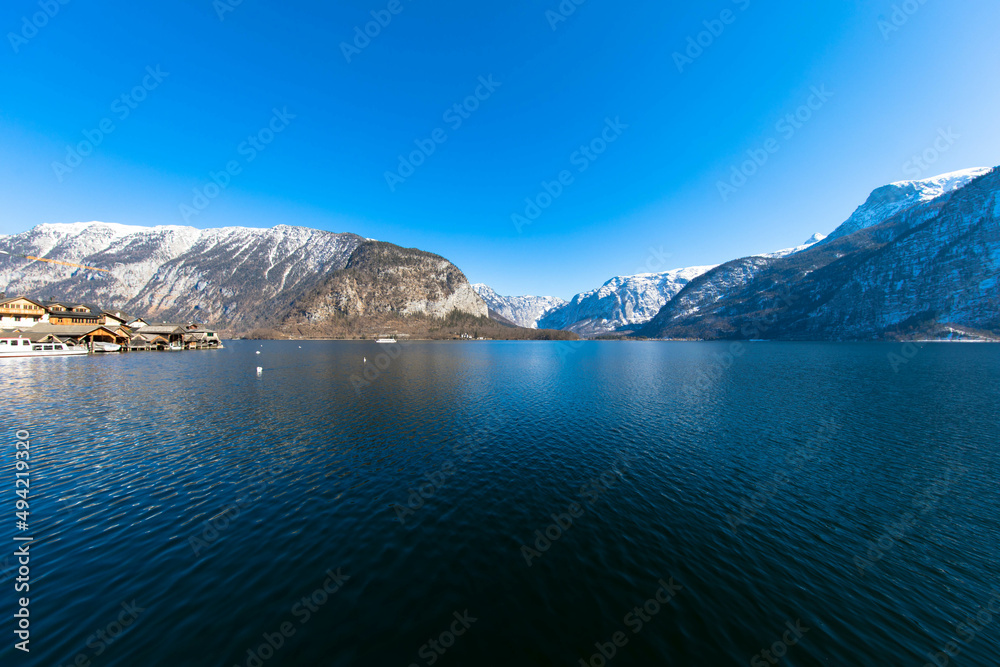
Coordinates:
200 78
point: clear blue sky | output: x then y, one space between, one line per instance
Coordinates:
655 186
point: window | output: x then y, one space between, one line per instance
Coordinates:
47 347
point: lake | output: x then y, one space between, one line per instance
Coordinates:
510 503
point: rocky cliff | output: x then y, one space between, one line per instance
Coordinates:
383 280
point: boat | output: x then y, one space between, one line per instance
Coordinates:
175 347
107 347
386 340
22 347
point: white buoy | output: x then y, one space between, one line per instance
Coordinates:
258 351
260 371
364 359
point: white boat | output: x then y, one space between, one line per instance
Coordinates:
107 347
22 347
175 347
386 340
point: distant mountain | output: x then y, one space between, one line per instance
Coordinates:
524 311
913 263
621 302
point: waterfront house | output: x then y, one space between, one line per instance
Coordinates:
174 333
201 339
80 334
114 319
20 311
65 313
148 342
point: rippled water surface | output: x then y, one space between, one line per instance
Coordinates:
812 487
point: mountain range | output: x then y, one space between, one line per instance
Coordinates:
918 258
915 255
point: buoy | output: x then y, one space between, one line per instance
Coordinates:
258 351
365 359
260 370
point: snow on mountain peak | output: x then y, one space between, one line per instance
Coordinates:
895 198
934 187
524 311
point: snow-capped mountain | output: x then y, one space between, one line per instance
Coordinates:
930 262
232 274
620 302
895 198
524 311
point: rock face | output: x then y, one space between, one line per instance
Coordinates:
931 262
524 311
382 280
623 301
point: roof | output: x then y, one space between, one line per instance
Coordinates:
70 313
18 298
162 329
39 336
69 329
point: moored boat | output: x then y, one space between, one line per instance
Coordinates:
22 347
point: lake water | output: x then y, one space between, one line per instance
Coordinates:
825 503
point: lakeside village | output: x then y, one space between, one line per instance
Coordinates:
32 327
